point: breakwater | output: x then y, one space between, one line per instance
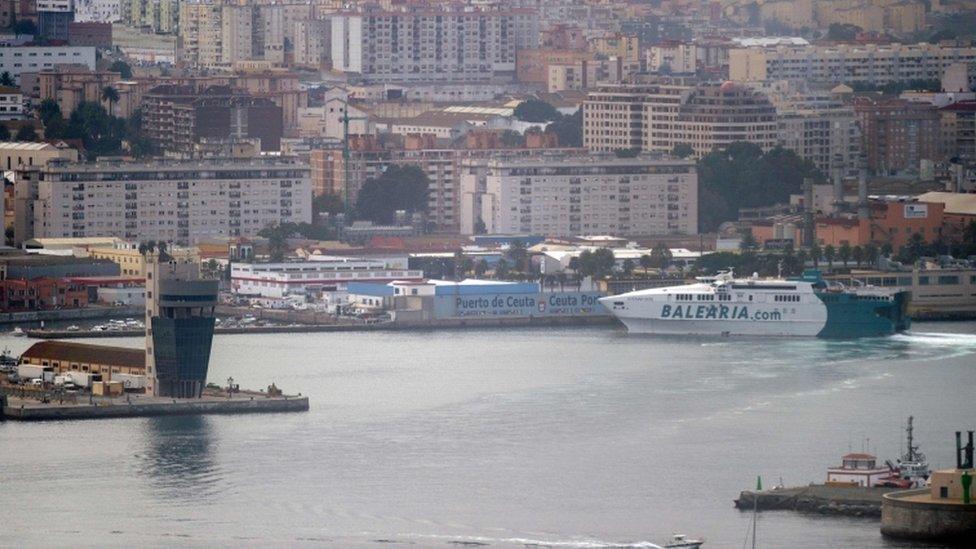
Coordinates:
853 501
25 410
85 313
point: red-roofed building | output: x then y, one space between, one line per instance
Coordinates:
858 469
41 294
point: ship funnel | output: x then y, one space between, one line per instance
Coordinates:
863 212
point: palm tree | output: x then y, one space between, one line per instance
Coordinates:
871 253
815 254
857 253
829 254
518 254
111 95
646 262
845 252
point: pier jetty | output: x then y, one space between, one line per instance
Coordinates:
27 409
852 501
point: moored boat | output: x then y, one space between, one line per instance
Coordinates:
725 305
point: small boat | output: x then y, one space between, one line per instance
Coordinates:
682 541
72 328
18 332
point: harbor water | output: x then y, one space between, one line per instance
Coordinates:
564 437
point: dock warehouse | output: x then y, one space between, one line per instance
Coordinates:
66 357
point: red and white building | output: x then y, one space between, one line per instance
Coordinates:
858 470
332 274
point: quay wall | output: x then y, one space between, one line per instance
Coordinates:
926 520
83 313
239 405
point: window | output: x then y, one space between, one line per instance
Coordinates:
943 491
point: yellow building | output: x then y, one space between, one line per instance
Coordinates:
65 357
131 262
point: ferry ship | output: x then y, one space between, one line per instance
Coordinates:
725 305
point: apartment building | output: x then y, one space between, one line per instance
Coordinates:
566 194
897 134
162 16
178 201
18 60
53 17
313 42
178 118
822 130
98 11
672 57
959 130
11 103
70 86
870 64
444 43
656 117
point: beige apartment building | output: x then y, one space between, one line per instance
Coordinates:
657 117
178 201
573 193
848 64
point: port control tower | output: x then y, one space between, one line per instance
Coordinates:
179 326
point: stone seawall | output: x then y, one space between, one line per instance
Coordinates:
239 405
851 501
85 313
903 516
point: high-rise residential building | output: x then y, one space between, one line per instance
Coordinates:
312 43
566 194
869 64
98 11
959 130
178 118
159 15
897 134
219 35
178 201
657 117
179 326
439 43
672 57
822 130
53 17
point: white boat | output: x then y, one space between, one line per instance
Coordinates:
72 328
725 305
17 332
681 541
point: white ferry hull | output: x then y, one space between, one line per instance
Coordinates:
711 327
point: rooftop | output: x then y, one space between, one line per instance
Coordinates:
955 203
81 352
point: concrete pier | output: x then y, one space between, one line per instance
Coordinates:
19 409
854 501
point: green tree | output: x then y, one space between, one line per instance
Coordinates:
6 79
844 253
327 203
628 266
111 95
4 133
121 67
480 268
518 255
871 253
535 110
27 133
887 249
512 139
742 176
748 241
857 254
843 31
816 254
627 153
501 269
801 258
598 263
47 110
400 187
646 262
830 253
277 243
660 256
568 129
682 150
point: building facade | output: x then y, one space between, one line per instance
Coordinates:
22 59
278 280
870 64
571 194
178 201
657 117
426 44
896 134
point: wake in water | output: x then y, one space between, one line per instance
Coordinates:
529 542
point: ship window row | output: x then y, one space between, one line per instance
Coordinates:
784 298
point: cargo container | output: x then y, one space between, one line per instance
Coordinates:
131 382
35 371
84 379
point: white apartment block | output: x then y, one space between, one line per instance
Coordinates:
98 11
657 117
216 36
312 42
848 64
170 200
572 194
673 58
20 59
331 274
11 103
425 45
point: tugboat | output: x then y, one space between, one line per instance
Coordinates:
912 466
